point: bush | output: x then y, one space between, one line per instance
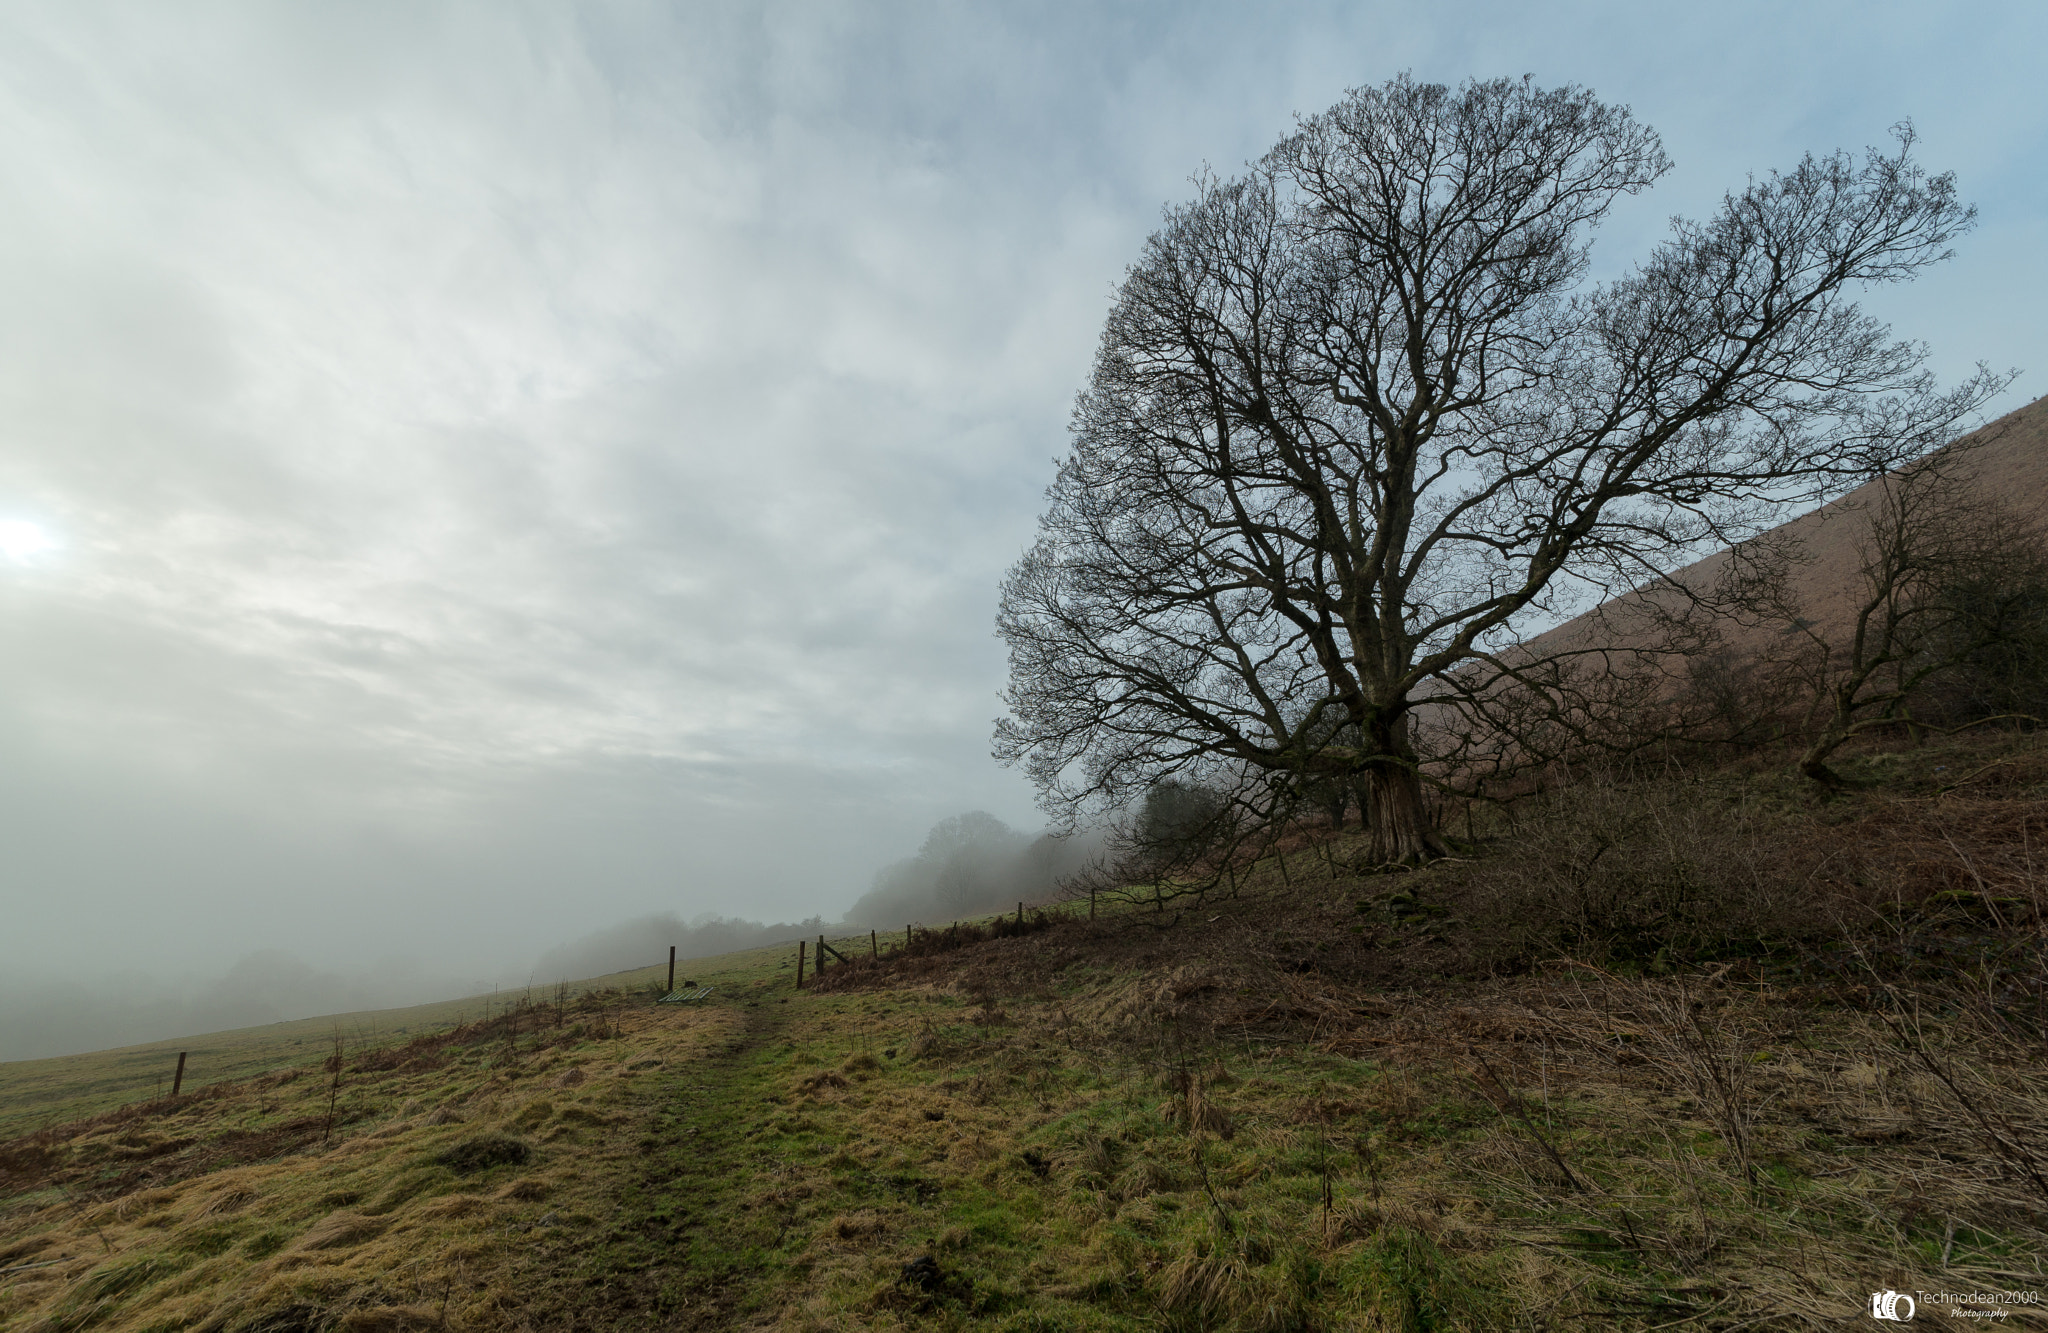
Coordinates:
1607 870
2005 670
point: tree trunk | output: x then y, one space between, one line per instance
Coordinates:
1814 763
1397 819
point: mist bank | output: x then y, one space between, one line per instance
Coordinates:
42 1017
646 940
969 865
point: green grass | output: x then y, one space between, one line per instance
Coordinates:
34 1093
795 1156
1092 1128
1049 1193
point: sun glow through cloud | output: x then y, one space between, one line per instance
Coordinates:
22 541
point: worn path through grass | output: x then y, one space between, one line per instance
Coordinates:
462 1180
762 1172
672 1247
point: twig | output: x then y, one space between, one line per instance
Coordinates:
1971 777
40 1263
1571 1178
2007 1144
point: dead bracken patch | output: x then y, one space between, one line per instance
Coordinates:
823 1079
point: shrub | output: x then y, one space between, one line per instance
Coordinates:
1608 870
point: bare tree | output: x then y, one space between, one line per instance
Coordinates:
1945 573
1358 415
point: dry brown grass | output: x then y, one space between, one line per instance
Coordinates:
173 1216
1244 1115
1815 1067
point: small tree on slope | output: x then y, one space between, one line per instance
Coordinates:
1947 577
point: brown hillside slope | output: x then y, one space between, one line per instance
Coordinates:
2009 464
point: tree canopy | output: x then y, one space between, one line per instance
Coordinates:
1358 415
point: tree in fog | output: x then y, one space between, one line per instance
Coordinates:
1358 416
1178 822
969 864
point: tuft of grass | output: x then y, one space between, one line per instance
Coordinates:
481 1152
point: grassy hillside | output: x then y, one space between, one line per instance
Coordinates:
50 1091
1688 1052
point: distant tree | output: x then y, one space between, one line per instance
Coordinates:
1357 416
1179 822
2006 676
964 835
970 863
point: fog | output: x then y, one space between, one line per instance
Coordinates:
114 1008
645 941
968 864
476 474
974 864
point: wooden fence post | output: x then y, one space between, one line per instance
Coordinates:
1091 902
1020 914
799 964
671 971
178 1079
874 944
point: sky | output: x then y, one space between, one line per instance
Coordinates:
474 473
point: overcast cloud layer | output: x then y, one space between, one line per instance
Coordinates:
510 468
